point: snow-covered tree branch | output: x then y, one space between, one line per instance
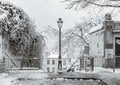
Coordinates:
85 3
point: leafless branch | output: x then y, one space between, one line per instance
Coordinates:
81 38
101 5
76 2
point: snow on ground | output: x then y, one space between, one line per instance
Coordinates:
13 76
101 70
4 80
28 74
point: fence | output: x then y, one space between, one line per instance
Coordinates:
22 63
112 62
87 62
13 63
99 61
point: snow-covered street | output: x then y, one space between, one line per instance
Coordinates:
38 77
4 80
14 76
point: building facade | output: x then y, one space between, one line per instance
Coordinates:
51 64
105 43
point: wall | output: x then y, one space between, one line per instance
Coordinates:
97 43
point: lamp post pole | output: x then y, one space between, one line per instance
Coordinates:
59 22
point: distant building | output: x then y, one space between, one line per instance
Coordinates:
105 43
51 63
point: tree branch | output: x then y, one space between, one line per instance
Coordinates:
101 4
81 38
92 2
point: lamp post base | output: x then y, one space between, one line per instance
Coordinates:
59 71
60 66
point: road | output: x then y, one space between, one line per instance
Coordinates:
68 78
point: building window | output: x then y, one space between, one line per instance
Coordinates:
48 62
64 62
53 69
48 69
53 62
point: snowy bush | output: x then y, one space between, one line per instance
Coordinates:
19 31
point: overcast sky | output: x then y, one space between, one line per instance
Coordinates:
47 12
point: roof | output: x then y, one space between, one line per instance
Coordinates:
56 56
53 56
96 28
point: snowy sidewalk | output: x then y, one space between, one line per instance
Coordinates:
108 78
109 70
4 80
104 74
101 70
28 74
14 76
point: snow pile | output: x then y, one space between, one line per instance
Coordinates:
4 80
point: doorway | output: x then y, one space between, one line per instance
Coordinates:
117 52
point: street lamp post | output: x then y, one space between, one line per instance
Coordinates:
60 23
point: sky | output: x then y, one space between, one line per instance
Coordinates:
46 13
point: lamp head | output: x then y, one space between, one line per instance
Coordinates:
60 22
